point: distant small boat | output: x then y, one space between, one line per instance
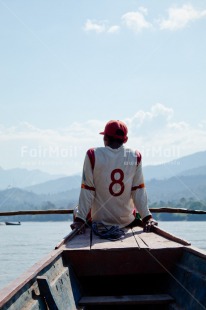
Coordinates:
13 223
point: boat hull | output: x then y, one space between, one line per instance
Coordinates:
12 223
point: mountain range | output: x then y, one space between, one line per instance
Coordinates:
194 164
19 177
184 177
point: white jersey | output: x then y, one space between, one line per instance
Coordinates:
112 186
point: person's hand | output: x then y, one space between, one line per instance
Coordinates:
79 225
149 225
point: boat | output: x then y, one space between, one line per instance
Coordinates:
154 270
13 223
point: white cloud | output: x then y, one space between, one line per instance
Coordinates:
136 20
178 126
157 115
54 151
160 109
94 26
160 138
113 29
143 10
202 124
100 27
179 18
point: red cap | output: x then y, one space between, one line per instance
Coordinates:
116 129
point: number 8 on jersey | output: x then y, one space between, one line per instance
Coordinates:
117 177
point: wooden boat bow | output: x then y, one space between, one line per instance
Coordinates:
93 273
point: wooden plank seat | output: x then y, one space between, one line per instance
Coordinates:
134 238
126 300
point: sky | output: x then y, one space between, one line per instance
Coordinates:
68 67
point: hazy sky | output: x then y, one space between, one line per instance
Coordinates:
68 67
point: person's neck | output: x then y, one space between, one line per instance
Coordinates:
114 145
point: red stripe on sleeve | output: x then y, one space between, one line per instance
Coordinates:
91 156
137 187
88 187
139 157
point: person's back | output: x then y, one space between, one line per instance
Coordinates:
112 182
114 177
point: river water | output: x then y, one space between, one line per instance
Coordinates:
24 245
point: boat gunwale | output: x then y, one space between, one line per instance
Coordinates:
196 251
7 292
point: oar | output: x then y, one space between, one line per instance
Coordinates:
70 211
67 238
36 212
176 210
170 236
